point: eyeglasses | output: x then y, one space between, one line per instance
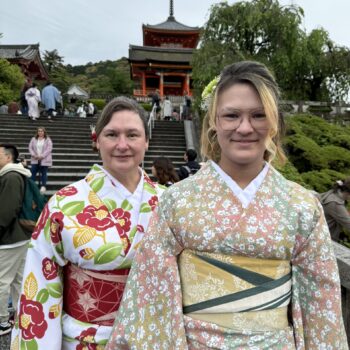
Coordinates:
232 121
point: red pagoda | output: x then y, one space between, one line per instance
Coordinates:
164 61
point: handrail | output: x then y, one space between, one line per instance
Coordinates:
150 125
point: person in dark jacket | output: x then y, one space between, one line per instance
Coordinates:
334 206
191 166
13 239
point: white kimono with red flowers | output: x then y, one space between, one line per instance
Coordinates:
96 225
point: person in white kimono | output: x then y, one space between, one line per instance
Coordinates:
167 109
32 96
235 256
85 240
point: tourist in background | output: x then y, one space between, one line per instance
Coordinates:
50 97
40 149
163 170
13 238
167 109
334 205
32 96
86 238
23 99
186 109
191 166
237 256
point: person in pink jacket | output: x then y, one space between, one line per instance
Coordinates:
40 148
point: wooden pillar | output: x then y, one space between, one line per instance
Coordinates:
143 84
161 85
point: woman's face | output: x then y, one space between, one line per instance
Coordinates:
41 133
241 127
122 143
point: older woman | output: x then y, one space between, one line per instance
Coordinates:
85 240
236 256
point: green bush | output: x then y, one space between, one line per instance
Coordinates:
338 158
304 153
98 102
12 80
323 180
146 106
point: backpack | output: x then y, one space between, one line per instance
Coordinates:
190 171
33 204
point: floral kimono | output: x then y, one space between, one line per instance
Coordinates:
212 273
78 262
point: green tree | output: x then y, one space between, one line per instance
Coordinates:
52 60
307 67
11 81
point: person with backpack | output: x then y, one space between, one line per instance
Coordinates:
191 166
334 207
13 238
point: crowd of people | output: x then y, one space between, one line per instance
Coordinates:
48 102
227 255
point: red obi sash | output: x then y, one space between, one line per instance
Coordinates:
93 296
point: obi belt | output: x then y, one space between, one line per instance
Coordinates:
93 296
236 292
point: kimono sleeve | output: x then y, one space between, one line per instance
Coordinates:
150 316
316 295
38 325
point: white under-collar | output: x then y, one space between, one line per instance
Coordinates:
247 195
122 189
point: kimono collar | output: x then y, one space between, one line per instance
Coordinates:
244 195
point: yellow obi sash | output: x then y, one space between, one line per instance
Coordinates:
236 292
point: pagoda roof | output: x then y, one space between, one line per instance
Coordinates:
19 51
159 54
28 53
171 24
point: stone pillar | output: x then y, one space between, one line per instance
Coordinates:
143 84
161 85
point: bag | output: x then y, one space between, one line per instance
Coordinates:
33 204
191 171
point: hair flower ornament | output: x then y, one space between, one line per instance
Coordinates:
208 93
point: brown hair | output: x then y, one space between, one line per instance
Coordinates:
165 170
118 104
259 77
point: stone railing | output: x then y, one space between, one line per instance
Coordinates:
343 258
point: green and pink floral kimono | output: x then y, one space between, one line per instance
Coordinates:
214 274
78 262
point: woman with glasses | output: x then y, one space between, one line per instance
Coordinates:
236 256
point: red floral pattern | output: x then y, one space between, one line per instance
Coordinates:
153 202
31 319
67 191
123 220
87 338
41 222
56 227
98 218
49 269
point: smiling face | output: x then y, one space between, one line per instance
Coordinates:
241 127
122 144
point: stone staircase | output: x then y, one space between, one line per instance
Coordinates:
72 152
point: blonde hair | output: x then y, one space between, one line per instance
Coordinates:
258 76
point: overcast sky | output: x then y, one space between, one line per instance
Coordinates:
90 31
